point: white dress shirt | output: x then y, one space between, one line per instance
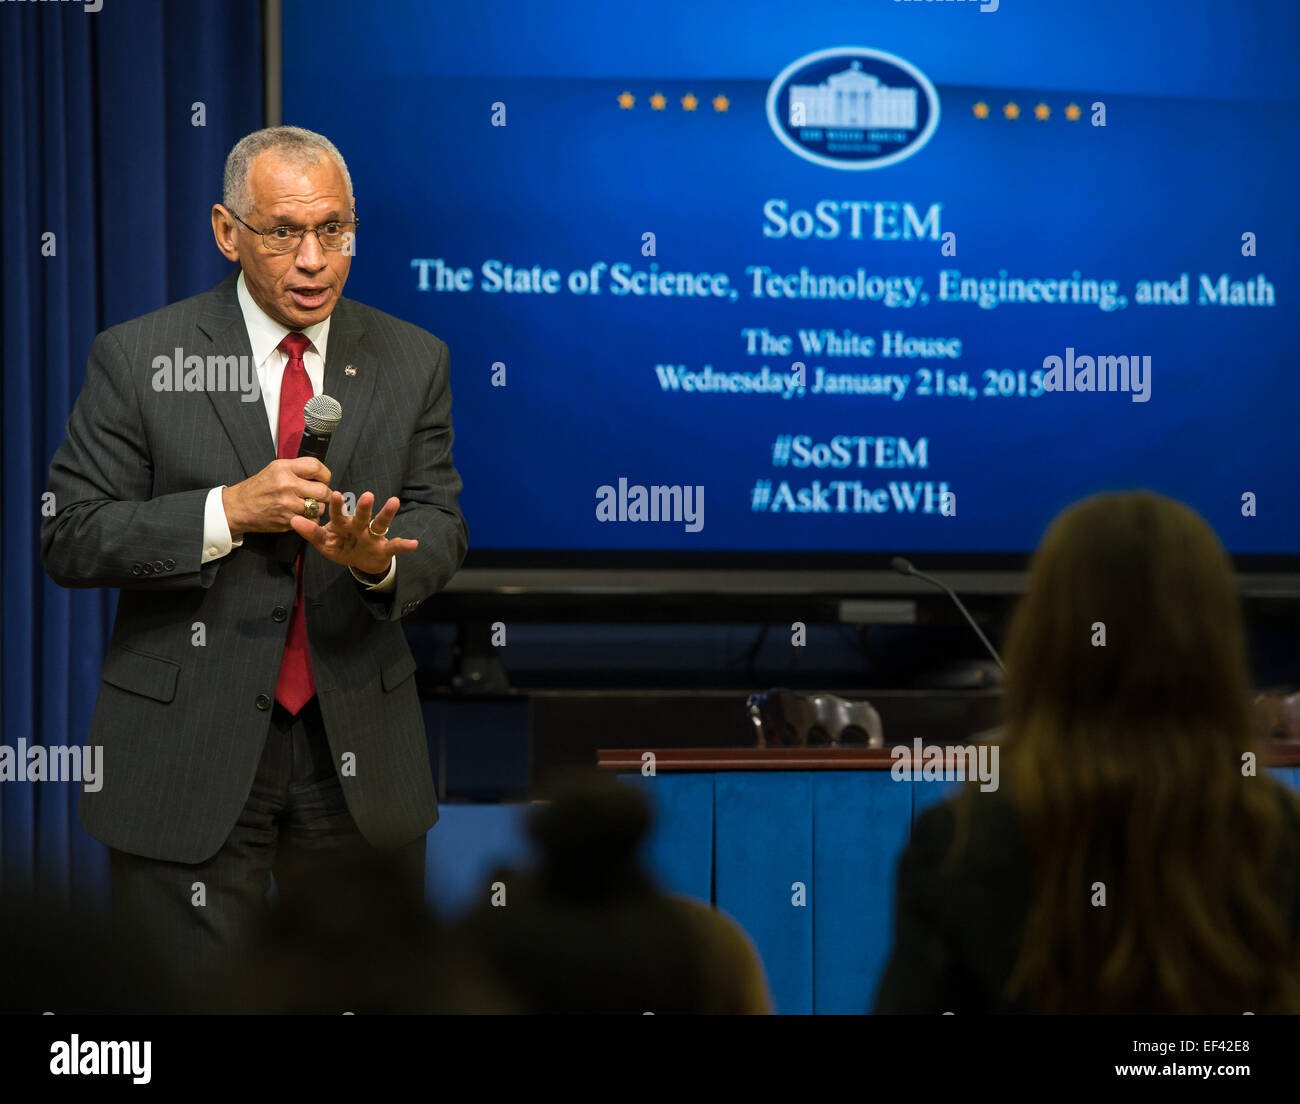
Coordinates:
265 335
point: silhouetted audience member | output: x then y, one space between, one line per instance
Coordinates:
588 932
358 940
1137 856
67 962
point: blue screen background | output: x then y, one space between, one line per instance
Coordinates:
1200 146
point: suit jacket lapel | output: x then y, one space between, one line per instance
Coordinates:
346 349
246 422
223 323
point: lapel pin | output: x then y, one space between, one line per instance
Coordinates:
350 370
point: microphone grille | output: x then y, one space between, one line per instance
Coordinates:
322 415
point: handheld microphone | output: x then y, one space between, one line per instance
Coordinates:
321 416
904 567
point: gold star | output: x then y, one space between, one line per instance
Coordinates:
721 103
1042 111
981 110
626 100
1011 111
658 101
689 102
1072 112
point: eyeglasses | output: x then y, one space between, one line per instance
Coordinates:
287 239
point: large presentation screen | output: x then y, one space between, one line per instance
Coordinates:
846 277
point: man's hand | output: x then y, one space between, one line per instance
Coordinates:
350 540
268 501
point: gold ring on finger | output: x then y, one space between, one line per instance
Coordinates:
371 531
310 508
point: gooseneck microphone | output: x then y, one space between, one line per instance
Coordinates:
321 416
904 567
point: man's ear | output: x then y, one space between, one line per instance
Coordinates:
223 230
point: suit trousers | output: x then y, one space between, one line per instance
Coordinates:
200 919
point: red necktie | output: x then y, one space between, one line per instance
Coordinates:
295 686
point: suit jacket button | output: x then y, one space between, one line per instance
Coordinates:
147 568
169 564
158 566
263 702
279 614
135 569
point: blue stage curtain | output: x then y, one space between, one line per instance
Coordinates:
103 168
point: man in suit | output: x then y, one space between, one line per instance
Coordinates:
258 710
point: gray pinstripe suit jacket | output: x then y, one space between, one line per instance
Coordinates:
183 725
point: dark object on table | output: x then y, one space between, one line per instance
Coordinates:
1278 715
784 718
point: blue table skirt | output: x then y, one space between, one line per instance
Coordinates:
803 860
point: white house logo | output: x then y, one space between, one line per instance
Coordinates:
852 108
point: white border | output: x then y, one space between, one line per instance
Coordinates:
916 144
